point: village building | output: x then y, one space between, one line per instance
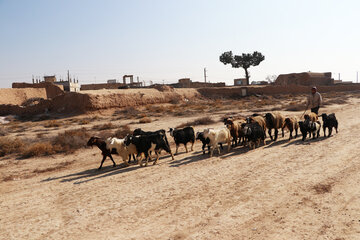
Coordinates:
305 79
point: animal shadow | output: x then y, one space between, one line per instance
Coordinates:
92 174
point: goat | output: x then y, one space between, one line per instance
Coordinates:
259 119
205 141
183 136
274 121
312 117
308 126
253 132
233 126
330 122
124 151
147 143
292 124
217 136
102 146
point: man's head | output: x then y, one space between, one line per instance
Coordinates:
313 90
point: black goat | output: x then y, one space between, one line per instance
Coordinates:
139 131
308 126
147 143
330 122
104 151
183 136
253 132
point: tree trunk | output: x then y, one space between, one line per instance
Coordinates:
247 76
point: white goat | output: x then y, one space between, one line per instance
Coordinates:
124 151
217 136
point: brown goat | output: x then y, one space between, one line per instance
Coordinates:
235 130
312 117
292 124
259 119
240 131
274 121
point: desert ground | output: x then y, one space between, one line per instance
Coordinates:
283 190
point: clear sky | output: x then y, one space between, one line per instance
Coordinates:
170 39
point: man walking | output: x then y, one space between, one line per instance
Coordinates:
314 101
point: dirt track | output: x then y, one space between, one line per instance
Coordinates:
284 190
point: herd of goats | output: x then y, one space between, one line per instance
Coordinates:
250 131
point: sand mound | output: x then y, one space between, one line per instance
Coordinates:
99 99
17 96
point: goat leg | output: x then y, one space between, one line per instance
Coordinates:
104 157
269 131
157 157
276 134
177 147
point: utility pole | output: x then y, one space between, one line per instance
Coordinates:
68 75
205 74
357 77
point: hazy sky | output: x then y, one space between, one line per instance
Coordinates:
170 39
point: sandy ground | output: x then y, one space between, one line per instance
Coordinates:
284 190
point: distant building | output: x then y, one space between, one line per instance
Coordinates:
113 84
111 81
187 83
240 82
69 86
305 78
51 79
259 83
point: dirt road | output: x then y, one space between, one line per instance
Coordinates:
284 190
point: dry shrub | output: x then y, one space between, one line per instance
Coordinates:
52 123
123 131
278 108
40 135
105 134
199 107
3 131
335 101
80 121
183 113
217 104
71 140
156 108
38 149
96 117
295 106
145 120
84 121
322 188
128 112
105 126
175 99
199 121
10 145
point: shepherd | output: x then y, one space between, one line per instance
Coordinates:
314 101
